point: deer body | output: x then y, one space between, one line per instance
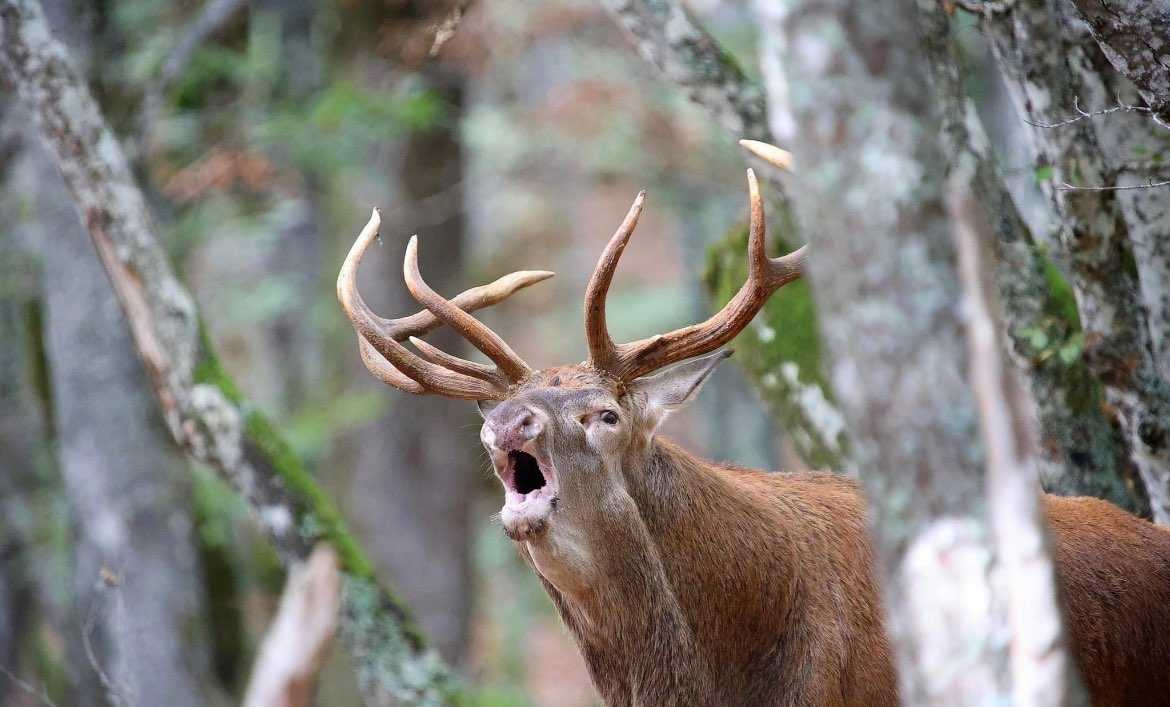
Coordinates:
689 583
711 585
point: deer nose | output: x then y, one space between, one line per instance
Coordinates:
512 425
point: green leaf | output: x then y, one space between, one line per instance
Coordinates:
1044 174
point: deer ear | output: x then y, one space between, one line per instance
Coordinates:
674 387
486 407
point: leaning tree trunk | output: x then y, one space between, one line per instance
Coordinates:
879 200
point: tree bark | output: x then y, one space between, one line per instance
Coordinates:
1135 36
1081 451
884 276
1046 73
202 408
137 577
998 259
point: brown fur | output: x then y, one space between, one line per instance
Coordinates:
705 584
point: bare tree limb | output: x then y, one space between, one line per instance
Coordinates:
1065 186
201 407
42 695
299 637
214 15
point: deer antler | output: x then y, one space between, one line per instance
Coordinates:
637 358
432 370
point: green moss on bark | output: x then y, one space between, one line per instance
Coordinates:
781 353
391 653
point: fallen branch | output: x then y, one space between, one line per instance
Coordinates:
202 408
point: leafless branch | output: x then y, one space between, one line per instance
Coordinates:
1065 186
1082 114
113 693
299 637
1041 671
215 14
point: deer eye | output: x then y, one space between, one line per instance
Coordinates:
609 417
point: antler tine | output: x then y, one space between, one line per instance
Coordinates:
476 332
439 357
603 353
769 153
378 338
765 276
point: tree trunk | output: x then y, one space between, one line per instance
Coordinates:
137 579
23 441
1046 74
874 194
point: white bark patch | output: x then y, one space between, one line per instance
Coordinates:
947 580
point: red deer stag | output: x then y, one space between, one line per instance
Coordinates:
685 582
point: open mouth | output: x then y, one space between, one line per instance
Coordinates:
526 474
530 495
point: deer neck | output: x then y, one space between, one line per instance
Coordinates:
660 564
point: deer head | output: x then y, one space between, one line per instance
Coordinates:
560 439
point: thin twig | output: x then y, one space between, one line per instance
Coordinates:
42 694
112 691
1149 185
1121 106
